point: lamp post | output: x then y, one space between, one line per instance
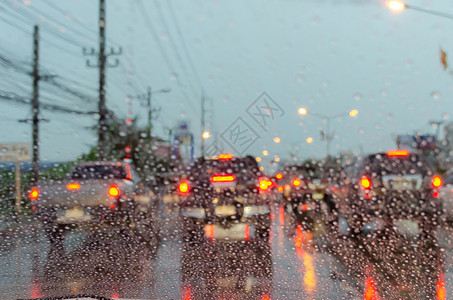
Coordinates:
327 135
398 6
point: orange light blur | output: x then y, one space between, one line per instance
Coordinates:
437 181
396 5
441 292
187 293
34 193
114 191
263 184
223 178
370 290
73 186
280 188
209 231
281 215
365 182
183 187
225 156
247 233
279 176
398 153
297 182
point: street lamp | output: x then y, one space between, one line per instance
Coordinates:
327 135
398 6
206 135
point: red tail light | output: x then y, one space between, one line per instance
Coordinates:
297 182
34 193
398 153
264 184
279 176
183 187
114 191
436 182
225 156
223 178
73 186
365 182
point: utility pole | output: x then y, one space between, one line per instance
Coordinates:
35 107
150 113
149 107
102 64
203 112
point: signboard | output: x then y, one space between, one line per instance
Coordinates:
416 142
15 152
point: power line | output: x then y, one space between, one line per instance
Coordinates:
18 99
30 19
153 33
184 46
172 42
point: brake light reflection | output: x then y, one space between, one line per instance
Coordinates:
247 233
370 290
209 232
441 292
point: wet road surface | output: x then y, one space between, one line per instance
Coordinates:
296 264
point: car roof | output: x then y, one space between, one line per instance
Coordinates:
100 163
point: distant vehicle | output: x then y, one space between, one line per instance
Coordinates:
304 192
96 194
388 186
446 196
225 198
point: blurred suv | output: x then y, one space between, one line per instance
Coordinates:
224 198
388 186
304 193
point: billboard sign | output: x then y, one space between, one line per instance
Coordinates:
15 152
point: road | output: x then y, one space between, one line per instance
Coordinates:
399 264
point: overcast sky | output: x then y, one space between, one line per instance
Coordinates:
328 56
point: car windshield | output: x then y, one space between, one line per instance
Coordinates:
226 149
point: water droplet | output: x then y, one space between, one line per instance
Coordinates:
357 96
300 78
435 95
384 93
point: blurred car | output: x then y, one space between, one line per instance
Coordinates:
304 191
389 186
224 198
446 196
96 193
